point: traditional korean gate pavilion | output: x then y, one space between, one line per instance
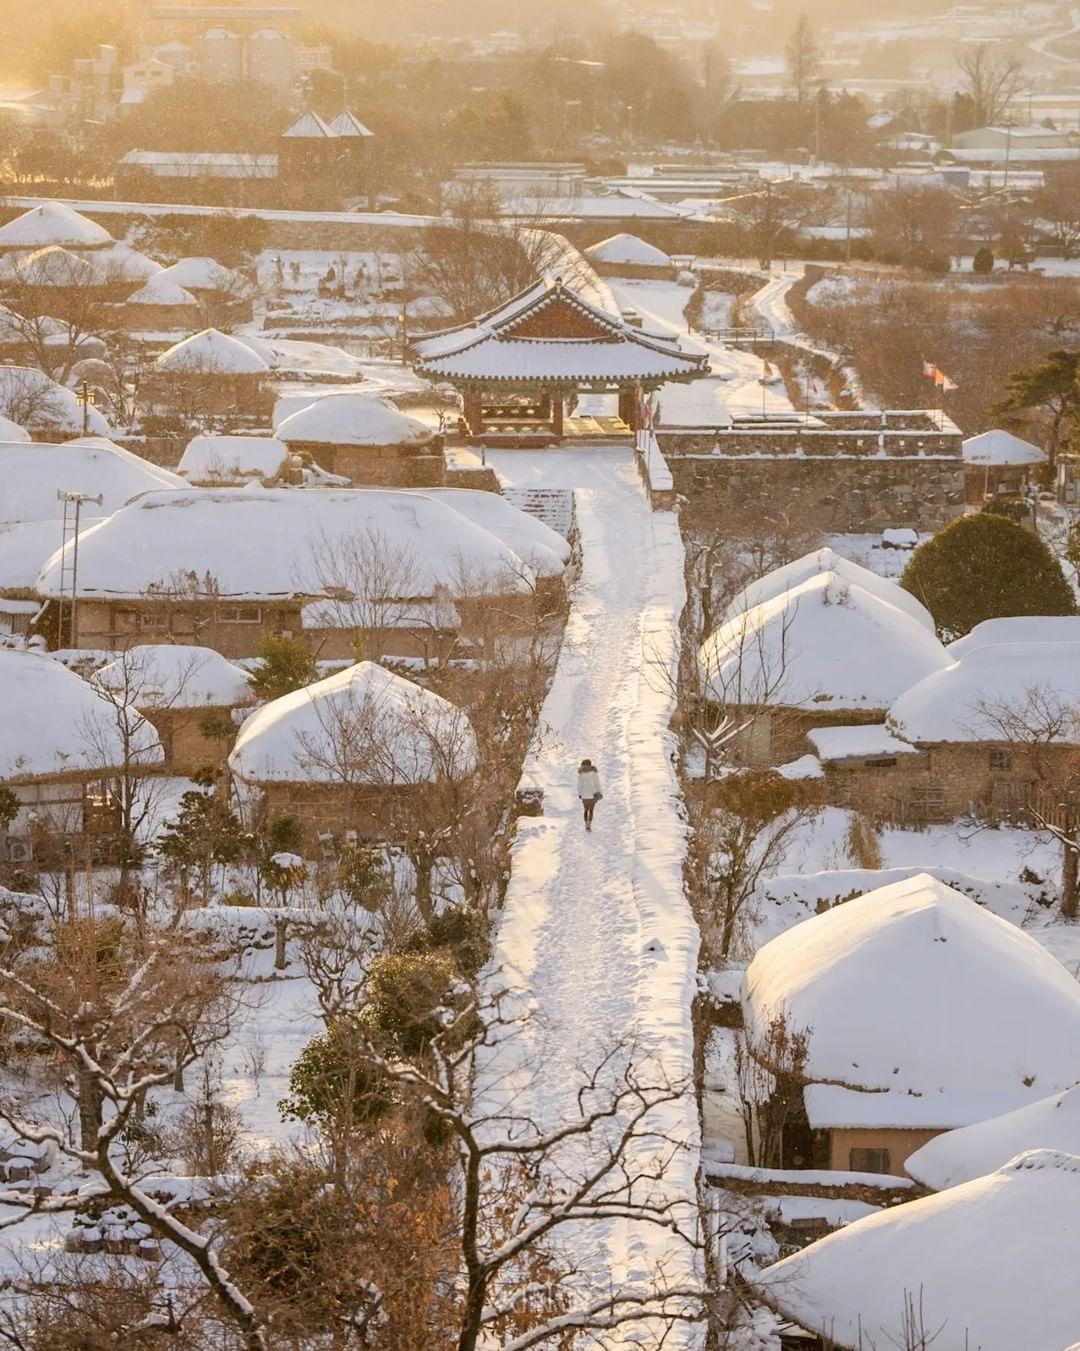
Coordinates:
517 365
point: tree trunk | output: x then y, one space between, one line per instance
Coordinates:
281 931
1070 880
422 865
89 1109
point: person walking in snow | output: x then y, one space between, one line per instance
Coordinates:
588 789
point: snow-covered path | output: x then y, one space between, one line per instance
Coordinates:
596 928
735 384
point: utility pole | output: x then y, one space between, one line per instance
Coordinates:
1008 151
71 539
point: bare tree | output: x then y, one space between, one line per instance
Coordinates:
990 79
418 758
57 301
476 260
771 1073
119 1039
373 586
1058 203
742 825
29 397
522 1187
121 727
1042 728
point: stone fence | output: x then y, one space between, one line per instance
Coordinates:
810 442
654 471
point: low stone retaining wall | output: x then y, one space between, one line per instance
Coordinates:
841 495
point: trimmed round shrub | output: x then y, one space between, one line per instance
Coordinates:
983 566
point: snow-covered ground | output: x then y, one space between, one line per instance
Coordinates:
596 929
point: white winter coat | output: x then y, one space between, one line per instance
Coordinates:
588 784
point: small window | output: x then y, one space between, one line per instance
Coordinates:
869 1160
241 614
1000 759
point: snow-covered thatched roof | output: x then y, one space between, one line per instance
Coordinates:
274 544
972 1151
56 723
629 249
921 1008
544 549
161 290
218 459
1017 629
167 675
361 725
349 419
11 431
825 643
999 447
1007 692
782 579
53 223
989 1265
57 267
31 398
34 472
123 263
201 274
25 548
211 352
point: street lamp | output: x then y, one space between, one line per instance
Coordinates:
86 399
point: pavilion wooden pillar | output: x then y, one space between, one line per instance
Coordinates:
558 404
474 416
628 407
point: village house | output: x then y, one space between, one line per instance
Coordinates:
349 755
987 1264
367 440
223 292
625 255
188 694
62 746
918 1005
212 372
222 567
161 305
999 464
53 223
823 651
991 735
